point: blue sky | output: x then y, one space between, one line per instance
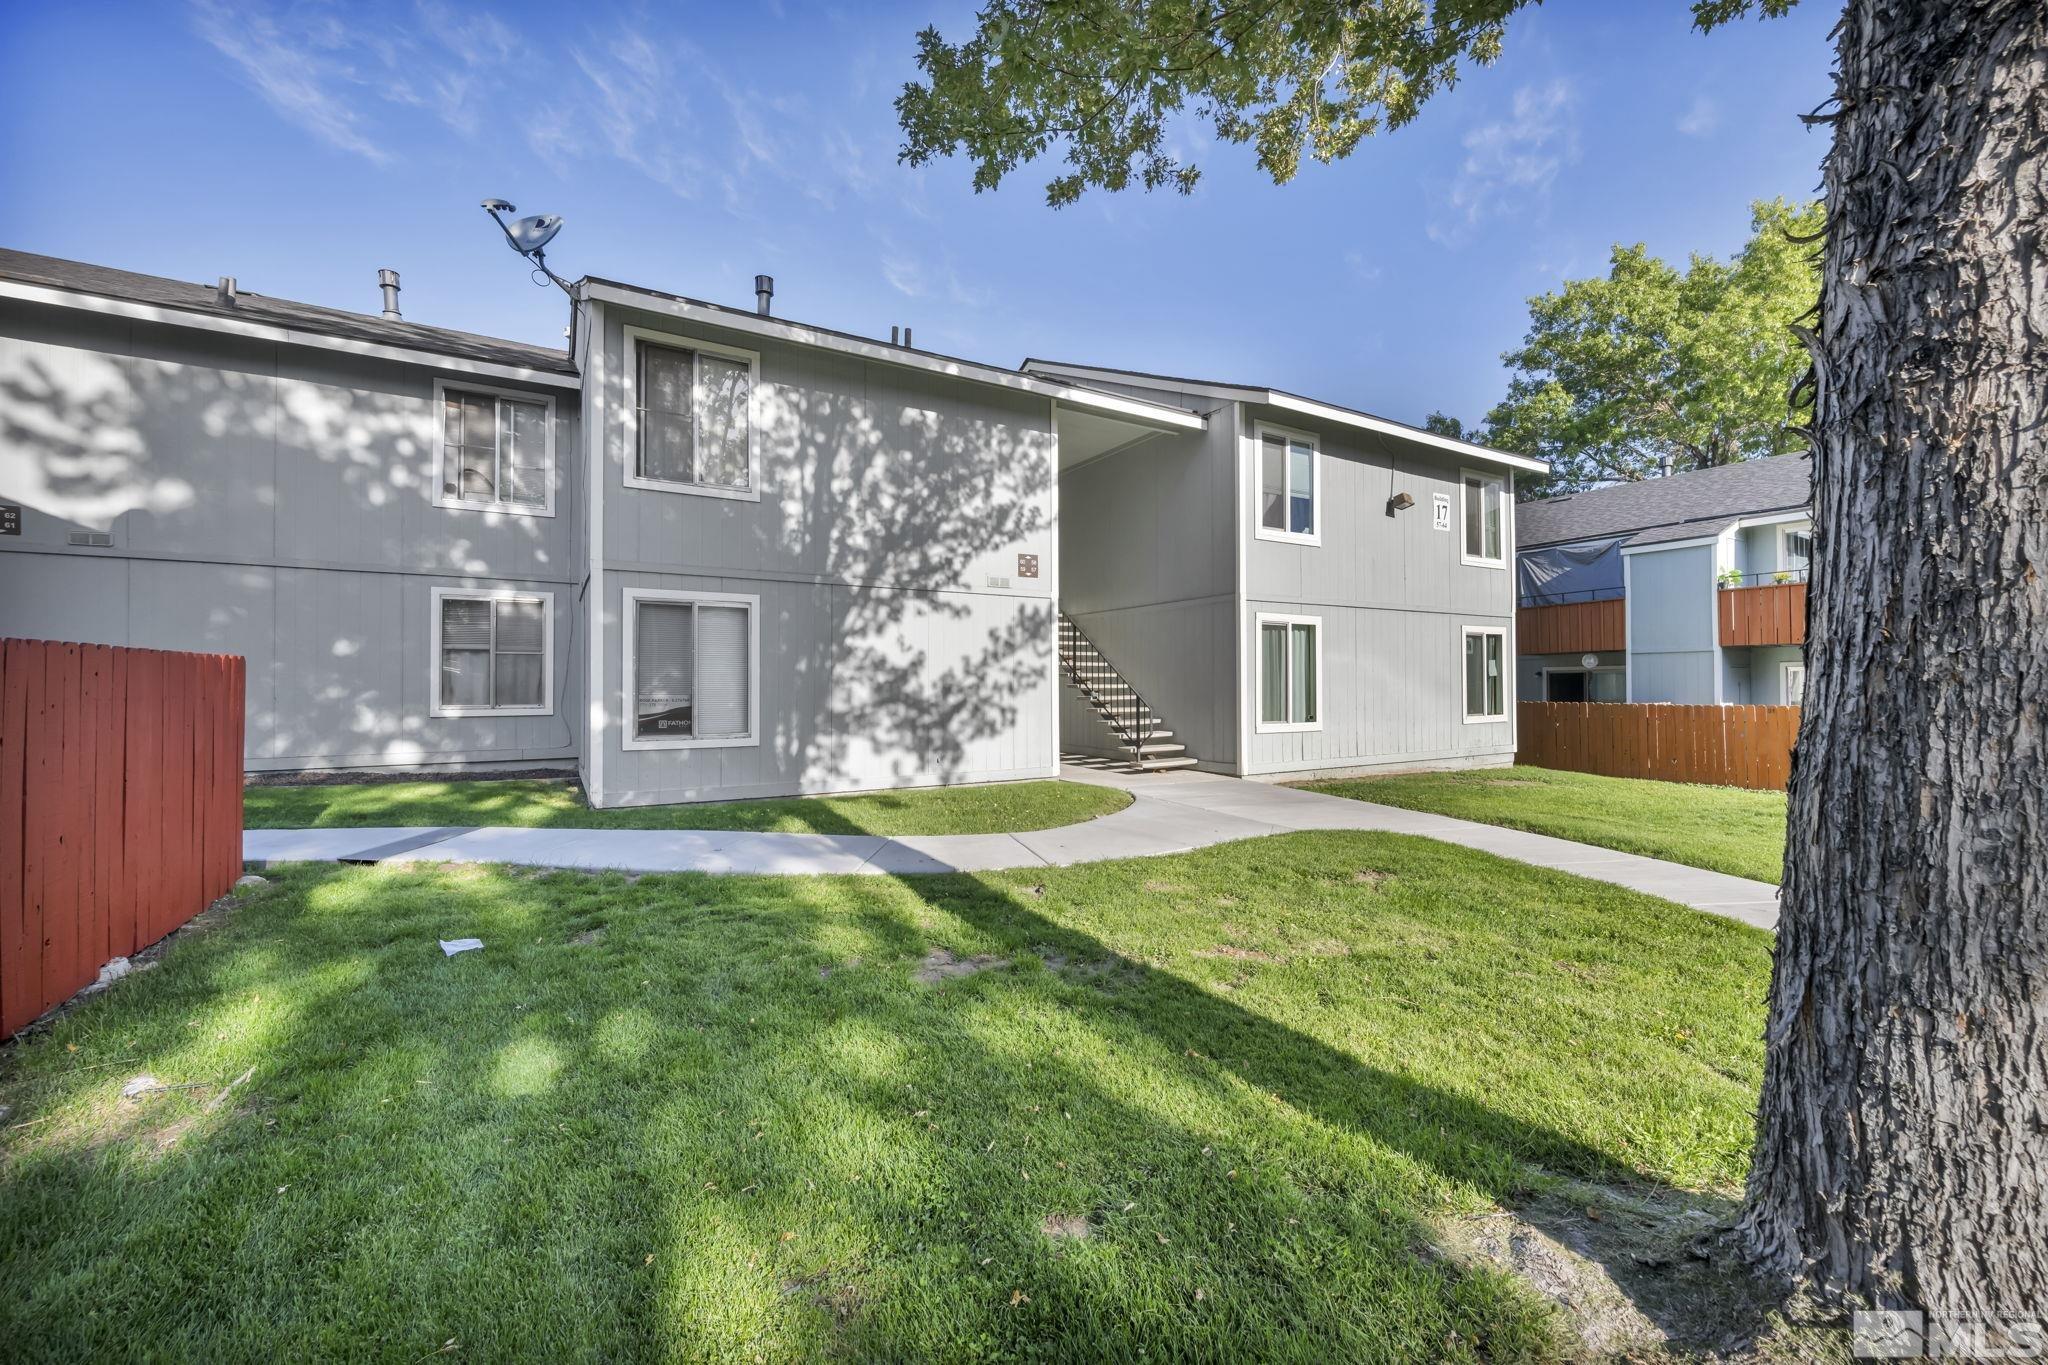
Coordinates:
300 146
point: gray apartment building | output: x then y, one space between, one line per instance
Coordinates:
1689 588
706 552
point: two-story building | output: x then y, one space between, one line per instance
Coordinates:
1689 588
706 552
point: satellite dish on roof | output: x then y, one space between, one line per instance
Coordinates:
528 236
531 234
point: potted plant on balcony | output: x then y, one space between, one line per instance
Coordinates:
1730 577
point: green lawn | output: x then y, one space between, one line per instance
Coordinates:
1210 1106
1725 829
999 808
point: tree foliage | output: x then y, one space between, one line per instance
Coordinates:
1105 79
1649 367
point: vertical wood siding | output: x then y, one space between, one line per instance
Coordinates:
120 807
1727 746
1573 628
1774 614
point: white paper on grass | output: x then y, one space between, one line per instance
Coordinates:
452 946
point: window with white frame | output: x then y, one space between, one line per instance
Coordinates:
691 669
1486 684
1289 485
1290 672
1795 546
1485 498
491 652
1794 693
496 452
693 417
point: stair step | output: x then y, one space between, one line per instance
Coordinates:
1153 748
1160 765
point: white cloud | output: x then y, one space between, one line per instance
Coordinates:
904 275
1703 117
1511 163
297 73
1361 269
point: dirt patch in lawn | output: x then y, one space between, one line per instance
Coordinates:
941 965
1636 1274
1369 876
1072 1227
589 938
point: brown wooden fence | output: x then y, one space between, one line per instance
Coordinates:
1729 746
120 807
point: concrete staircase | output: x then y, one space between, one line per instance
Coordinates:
1139 733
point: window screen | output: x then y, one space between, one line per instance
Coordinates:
493 652
1287 483
494 450
693 670
1485 517
694 417
1485 677
1287 673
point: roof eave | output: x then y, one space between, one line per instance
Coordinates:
1137 410
173 316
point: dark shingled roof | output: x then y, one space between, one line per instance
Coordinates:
1700 502
53 273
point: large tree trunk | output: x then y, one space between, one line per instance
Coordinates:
1902 1143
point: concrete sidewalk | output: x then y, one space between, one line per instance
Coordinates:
1170 812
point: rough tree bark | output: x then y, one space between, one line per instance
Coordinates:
1902 1141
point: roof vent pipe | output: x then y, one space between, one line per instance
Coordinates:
387 280
224 292
895 336
764 293
906 336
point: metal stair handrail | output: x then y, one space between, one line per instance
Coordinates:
1128 716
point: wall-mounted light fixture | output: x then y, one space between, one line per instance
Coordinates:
1400 502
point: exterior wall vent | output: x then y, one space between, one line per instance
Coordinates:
98 538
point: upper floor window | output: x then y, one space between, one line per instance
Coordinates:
491 648
1486 532
692 416
496 452
1290 486
1795 547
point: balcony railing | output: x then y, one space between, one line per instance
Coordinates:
1763 578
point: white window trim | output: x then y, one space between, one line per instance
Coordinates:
1507 534
630 408
1507 676
1259 624
437 707
442 497
1314 534
1785 683
629 680
1787 530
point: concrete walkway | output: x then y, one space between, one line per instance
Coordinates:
1170 812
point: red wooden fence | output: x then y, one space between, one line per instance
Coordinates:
1728 746
120 807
